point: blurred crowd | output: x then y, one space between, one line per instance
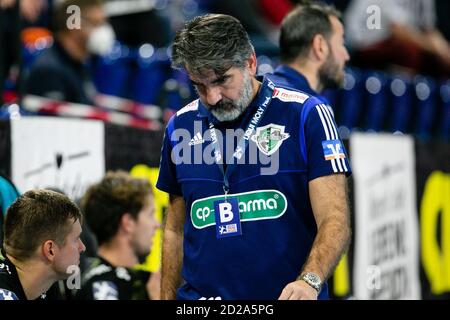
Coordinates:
99 53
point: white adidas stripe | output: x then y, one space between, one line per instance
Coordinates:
329 116
197 139
327 135
333 131
325 128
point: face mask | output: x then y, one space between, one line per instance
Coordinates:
101 40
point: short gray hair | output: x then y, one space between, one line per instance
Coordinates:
211 42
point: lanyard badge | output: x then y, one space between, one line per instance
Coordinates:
228 221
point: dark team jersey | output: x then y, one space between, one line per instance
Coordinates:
10 286
103 281
298 134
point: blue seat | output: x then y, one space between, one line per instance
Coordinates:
112 72
376 101
444 111
152 70
401 105
351 105
426 107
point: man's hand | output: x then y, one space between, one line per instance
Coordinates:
298 290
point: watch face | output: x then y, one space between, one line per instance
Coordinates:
313 279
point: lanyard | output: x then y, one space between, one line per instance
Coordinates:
243 142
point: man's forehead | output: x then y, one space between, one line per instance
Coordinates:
95 13
337 25
76 225
208 75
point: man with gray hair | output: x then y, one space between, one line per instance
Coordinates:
233 230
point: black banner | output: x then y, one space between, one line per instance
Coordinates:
126 147
433 201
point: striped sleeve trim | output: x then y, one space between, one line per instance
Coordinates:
331 133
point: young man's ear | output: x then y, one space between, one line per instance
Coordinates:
127 223
49 249
319 48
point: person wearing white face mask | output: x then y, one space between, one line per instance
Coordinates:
60 73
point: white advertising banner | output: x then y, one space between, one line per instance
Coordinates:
49 152
386 221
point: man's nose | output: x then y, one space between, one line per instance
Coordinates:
82 247
347 56
213 96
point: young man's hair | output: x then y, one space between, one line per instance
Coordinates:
35 217
106 202
214 42
301 25
65 9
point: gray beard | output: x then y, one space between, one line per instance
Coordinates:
239 106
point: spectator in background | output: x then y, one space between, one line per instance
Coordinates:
254 17
386 33
275 10
312 49
61 73
12 14
138 21
120 212
41 242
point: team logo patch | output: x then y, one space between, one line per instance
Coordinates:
269 138
105 290
332 149
7 295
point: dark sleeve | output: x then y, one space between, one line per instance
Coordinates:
110 286
48 82
8 290
84 293
54 293
103 287
167 178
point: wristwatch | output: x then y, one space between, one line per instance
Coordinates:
313 280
